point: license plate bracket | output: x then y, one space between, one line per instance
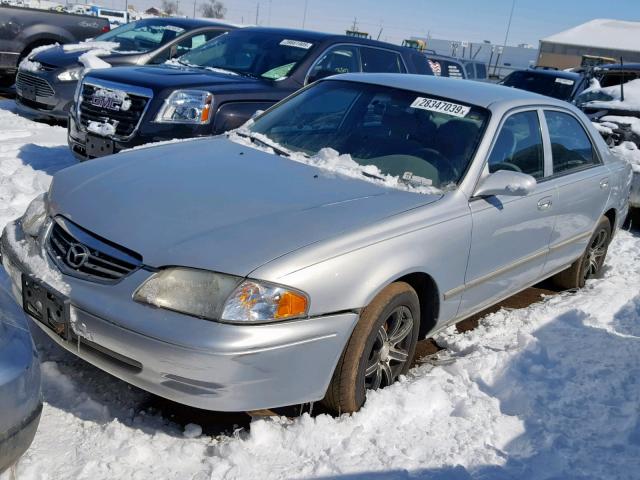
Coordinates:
28 92
47 306
97 146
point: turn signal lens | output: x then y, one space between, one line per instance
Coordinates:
291 305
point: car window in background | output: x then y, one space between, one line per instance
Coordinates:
570 145
468 67
454 70
549 85
396 130
142 36
338 59
376 60
265 55
518 147
481 71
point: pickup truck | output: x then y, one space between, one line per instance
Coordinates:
218 86
23 29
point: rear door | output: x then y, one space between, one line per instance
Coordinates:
583 187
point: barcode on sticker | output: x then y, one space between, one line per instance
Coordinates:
564 81
440 106
296 43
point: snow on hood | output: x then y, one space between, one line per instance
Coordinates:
629 152
631 96
90 45
174 62
28 64
92 61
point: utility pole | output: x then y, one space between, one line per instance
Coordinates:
506 36
354 26
257 12
269 14
194 8
304 16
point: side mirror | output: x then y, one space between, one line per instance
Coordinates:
505 182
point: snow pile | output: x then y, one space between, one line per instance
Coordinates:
629 152
631 97
91 45
174 62
101 128
27 65
614 121
330 161
92 61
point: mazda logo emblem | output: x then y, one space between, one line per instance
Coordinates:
77 255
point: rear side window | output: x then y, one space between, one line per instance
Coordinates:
454 70
481 71
570 144
375 60
469 69
518 147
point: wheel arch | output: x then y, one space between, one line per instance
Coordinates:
429 297
611 215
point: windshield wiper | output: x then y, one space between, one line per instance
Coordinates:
272 145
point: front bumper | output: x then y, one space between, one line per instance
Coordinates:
196 362
52 107
18 440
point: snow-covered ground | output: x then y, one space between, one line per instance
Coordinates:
550 391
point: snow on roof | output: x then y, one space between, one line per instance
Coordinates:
601 33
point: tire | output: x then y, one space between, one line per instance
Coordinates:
591 261
397 310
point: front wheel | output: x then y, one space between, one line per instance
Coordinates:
381 348
590 263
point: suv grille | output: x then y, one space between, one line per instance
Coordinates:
42 87
85 255
125 121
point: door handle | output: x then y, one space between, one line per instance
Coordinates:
545 204
604 183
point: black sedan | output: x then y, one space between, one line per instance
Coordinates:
47 81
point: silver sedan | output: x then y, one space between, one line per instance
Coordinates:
301 257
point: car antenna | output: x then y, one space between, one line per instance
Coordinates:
622 80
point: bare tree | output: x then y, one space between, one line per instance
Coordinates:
213 9
170 7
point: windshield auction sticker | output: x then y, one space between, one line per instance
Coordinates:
440 106
296 43
564 81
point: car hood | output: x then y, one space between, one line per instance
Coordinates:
217 205
60 58
167 76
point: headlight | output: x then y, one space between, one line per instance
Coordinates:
259 302
70 75
34 217
186 106
221 297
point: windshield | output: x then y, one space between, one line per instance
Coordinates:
257 54
142 36
414 136
556 87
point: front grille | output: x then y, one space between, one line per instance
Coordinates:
80 253
25 80
125 121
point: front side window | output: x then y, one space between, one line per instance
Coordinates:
518 147
376 60
265 55
570 144
142 36
336 60
400 132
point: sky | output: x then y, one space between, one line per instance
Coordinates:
464 20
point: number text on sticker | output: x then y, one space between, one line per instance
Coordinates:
440 106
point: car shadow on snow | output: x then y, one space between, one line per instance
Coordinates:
46 159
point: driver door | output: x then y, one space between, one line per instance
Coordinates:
511 234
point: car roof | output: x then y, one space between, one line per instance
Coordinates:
190 22
445 58
482 94
617 66
324 36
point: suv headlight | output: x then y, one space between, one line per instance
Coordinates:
219 297
186 106
70 75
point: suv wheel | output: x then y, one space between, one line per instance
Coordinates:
381 348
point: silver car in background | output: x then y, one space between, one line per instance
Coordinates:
301 257
20 397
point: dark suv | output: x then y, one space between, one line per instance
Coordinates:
45 89
218 86
558 84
